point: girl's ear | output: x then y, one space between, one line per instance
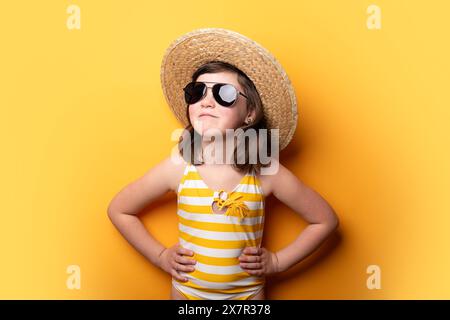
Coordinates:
250 116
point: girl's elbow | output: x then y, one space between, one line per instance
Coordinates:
331 222
111 211
334 222
110 214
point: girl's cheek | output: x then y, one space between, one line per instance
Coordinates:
191 111
193 115
230 115
234 120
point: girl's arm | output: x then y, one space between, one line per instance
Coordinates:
134 197
308 204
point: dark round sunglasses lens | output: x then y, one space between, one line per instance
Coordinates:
193 92
226 95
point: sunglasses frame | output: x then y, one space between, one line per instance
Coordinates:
212 88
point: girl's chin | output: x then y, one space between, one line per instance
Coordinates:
209 131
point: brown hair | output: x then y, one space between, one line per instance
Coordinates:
253 102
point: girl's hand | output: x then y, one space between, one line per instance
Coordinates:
172 261
259 261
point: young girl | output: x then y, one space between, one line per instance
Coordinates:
216 80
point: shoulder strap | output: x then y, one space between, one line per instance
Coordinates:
186 170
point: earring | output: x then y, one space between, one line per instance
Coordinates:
249 120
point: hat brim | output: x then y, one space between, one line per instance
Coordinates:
187 53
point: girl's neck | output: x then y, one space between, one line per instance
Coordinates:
210 158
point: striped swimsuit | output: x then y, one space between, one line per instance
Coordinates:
217 239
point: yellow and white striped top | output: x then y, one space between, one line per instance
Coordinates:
217 239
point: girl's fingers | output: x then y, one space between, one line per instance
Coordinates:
253 250
177 276
255 272
250 258
183 251
181 267
251 266
183 260
176 268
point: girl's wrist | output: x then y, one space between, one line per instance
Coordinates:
278 263
158 260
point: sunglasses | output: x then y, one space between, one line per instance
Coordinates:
224 93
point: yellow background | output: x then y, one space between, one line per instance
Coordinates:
83 114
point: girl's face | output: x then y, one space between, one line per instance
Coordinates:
220 117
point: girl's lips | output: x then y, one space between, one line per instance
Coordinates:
207 115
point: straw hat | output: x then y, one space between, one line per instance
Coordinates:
193 49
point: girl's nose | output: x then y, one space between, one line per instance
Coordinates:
208 99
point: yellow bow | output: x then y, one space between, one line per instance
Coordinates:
234 205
